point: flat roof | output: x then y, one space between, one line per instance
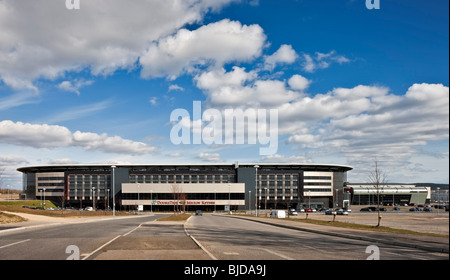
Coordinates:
303 166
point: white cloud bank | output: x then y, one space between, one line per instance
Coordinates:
103 36
55 136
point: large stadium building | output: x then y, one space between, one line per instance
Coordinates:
194 186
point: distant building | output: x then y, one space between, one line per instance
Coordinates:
196 186
366 194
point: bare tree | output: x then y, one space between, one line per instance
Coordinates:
2 170
176 192
378 179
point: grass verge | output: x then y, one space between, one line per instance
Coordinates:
361 227
9 218
17 207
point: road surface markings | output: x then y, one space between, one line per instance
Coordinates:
101 247
15 243
231 253
279 255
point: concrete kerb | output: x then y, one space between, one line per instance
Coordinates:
348 236
196 241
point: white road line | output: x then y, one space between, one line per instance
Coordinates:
101 247
15 243
278 254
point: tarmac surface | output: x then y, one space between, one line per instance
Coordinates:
158 240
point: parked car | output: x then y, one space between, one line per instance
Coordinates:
293 212
428 209
330 212
89 208
365 209
198 213
341 212
396 208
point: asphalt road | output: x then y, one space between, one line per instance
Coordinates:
221 237
227 238
51 242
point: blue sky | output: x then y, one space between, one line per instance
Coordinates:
351 85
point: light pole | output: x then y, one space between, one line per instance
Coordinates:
44 198
93 198
229 197
439 202
138 186
113 190
250 201
256 189
107 197
265 202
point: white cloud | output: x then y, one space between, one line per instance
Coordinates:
213 44
298 82
75 85
54 136
8 160
176 88
284 55
356 123
103 36
210 157
153 100
322 61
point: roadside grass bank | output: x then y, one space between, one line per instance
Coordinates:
355 226
23 206
9 218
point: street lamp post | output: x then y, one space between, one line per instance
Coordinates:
113 190
256 190
439 202
93 198
250 202
138 186
107 197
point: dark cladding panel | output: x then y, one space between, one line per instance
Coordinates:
247 175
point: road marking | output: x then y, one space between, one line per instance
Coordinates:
231 253
278 254
101 247
15 243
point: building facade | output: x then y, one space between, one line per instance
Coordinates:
389 194
194 186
